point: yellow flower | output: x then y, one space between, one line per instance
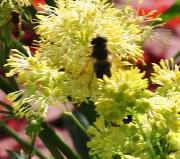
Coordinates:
66 31
167 75
119 141
120 94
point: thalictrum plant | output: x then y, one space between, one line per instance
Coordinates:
133 122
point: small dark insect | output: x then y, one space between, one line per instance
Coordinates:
116 156
101 57
127 119
16 20
99 62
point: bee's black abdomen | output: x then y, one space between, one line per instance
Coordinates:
102 68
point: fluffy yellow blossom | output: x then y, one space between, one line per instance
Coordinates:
63 64
119 95
73 24
155 115
167 99
167 75
66 33
63 67
113 142
40 89
166 111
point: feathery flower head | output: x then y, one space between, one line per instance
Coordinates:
166 101
166 112
63 64
67 31
41 86
120 94
167 76
174 140
109 142
72 25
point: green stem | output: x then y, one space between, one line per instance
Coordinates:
54 151
5 105
149 144
76 121
176 56
24 144
5 112
48 135
17 45
6 86
32 145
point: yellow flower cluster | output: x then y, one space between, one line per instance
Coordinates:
110 142
67 31
119 95
63 64
155 116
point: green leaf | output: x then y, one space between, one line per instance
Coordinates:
17 45
15 155
49 137
13 83
54 150
5 86
78 136
7 106
88 110
172 12
177 56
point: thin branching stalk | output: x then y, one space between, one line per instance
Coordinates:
24 144
32 145
147 142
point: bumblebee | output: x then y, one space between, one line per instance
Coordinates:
99 63
101 57
100 60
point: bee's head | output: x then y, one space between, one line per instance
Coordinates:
99 41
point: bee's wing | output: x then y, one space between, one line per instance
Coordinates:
88 68
87 74
115 60
118 63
